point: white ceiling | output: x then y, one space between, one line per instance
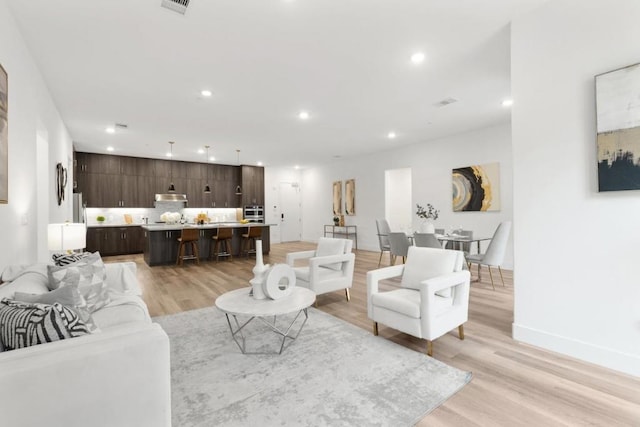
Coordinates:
347 62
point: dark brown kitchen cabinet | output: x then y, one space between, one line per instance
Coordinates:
160 247
252 185
115 240
108 181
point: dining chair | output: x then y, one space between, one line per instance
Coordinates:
461 246
399 246
494 256
383 238
426 240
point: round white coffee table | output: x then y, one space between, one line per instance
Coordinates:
239 303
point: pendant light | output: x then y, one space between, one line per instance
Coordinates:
207 189
238 188
172 188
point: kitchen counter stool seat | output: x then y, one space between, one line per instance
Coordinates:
249 239
223 238
189 236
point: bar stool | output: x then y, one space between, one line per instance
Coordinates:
249 239
189 236
223 237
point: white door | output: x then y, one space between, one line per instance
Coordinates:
290 220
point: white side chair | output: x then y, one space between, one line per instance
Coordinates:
330 266
433 297
494 256
383 238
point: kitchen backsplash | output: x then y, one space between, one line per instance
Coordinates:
117 215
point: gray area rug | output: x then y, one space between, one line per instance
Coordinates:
334 374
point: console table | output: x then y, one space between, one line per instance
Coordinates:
348 231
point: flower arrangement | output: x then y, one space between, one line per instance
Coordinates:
429 213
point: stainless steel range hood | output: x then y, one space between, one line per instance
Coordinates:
171 197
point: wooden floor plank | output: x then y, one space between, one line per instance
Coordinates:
513 383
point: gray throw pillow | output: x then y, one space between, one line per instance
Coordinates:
24 324
69 296
89 274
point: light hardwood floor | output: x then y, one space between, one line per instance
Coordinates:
513 383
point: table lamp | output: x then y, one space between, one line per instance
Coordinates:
67 237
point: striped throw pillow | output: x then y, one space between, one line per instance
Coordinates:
25 324
66 259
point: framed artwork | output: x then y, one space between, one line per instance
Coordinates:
618 129
350 197
476 188
337 197
4 136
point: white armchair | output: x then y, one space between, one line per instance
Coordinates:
330 266
433 297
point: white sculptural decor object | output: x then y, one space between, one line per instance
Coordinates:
271 282
258 273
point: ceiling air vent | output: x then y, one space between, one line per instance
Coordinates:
179 6
446 102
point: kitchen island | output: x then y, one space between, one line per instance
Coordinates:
161 240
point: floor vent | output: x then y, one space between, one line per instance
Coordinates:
179 6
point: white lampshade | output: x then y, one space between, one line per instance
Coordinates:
67 236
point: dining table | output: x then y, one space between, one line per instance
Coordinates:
459 240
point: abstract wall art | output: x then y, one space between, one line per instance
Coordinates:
477 188
337 197
350 197
618 128
4 136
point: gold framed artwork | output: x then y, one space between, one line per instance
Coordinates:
476 188
4 136
337 197
350 197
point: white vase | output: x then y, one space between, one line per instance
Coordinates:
258 273
427 227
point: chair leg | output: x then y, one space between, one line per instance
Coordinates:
197 252
461 332
375 328
430 348
380 260
346 291
491 276
180 252
393 260
501 278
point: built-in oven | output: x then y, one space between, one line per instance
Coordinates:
253 213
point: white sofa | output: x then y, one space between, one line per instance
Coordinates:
119 376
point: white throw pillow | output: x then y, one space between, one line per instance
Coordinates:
328 246
89 274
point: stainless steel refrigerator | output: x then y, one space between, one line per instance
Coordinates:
78 208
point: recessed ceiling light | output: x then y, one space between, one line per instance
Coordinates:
296 167
391 135
303 115
417 58
212 159
110 129
200 151
259 163
206 93
169 155
109 148
507 103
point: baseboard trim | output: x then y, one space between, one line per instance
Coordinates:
602 356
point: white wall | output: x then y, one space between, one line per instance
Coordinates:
398 199
577 286
31 113
431 164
